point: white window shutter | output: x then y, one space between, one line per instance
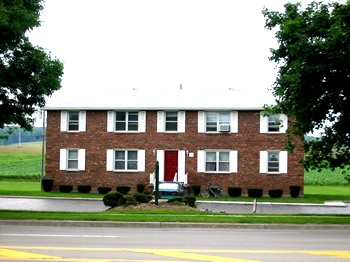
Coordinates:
263 161
141 160
201 121
142 121
64 116
283 162
284 127
234 122
264 121
110 121
160 121
109 160
181 121
81 159
63 159
82 121
201 161
160 159
233 161
181 168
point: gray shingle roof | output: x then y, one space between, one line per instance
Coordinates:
172 100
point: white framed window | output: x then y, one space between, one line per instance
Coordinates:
273 161
217 161
72 159
217 121
73 121
277 123
122 121
129 160
171 121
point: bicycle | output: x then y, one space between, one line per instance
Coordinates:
214 191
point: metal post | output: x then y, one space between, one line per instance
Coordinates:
43 151
156 184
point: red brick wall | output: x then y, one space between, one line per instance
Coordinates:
96 140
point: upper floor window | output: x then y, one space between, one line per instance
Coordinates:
126 121
73 121
217 161
171 121
276 123
72 159
125 160
273 161
221 121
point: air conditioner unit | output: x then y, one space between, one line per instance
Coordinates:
224 128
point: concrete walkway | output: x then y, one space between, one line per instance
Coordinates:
96 205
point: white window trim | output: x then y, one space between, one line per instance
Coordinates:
233 158
111 122
65 122
141 160
264 124
64 159
181 122
283 162
202 122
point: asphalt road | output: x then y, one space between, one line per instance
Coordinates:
95 205
52 243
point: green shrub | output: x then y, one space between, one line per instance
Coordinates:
175 200
196 189
140 188
143 198
113 199
294 191
47 184
84 189
104 189
189 200
65 188
255 192
234 191
123 189
276 193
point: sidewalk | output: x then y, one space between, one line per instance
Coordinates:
96 205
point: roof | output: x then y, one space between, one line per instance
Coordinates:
172 100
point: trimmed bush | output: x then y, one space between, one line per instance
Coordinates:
84 189
189 200
47 184
113 199
65 188
140 188
255 192
104 189
294 191
175 200
123 189
196 189
276 193
234 191
143 198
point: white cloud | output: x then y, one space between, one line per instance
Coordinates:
158 44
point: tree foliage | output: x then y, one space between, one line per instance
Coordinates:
27 73
313 81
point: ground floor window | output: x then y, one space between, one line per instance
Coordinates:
125 160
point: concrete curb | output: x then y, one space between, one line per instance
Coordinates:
171 225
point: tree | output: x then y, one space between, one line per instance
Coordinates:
27 73
313 81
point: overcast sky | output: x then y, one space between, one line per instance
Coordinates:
112 45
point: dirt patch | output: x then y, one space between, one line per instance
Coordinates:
152 206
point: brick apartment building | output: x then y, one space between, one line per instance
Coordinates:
222 139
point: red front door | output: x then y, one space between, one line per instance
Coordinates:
170 165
